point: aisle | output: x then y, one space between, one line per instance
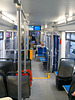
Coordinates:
44 89
38 69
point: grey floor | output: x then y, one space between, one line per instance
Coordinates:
44 89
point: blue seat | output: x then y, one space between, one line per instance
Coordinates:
40 55
70 88
32 42
44 49
42 59
45 58
66 87
41 51
56 72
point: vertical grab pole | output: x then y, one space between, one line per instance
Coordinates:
24 46
48 56
27 41
19 52
45 38
4 40
52 46
49 44
47 64
49 53
43 35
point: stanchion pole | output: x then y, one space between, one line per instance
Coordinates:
27 40
52 47
24 46
19 51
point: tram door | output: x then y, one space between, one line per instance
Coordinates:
55 53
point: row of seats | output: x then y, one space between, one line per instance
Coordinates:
42 53
6 62
9 80
44 57
9 85
65 73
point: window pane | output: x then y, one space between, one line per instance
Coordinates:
72 47
68 36
67 47
73 36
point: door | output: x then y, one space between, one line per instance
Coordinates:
55 53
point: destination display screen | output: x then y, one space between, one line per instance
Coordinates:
37 28
34 28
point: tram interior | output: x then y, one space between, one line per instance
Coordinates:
37 50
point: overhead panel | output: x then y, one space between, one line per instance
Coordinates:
42 11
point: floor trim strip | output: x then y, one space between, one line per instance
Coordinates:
48 77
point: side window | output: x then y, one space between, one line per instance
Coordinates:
1 35
70 44
72 47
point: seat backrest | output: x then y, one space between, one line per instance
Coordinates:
44 49
40 50
65 69
12 85
28 65
46 56
72 86
3 92
7 66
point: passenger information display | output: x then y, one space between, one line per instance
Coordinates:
34 28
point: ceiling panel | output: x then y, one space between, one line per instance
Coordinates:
43 11
8 6
40 11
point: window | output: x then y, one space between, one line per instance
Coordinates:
72 36
70 44
8 35
72 47
1 35
68 35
